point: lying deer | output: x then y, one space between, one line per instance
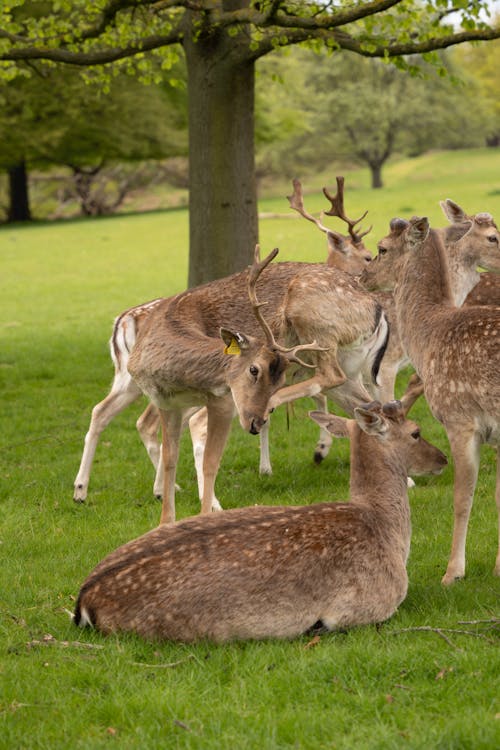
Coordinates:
456 352
178 362
275 572
346 252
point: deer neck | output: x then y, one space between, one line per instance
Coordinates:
379 481
422 294
463 274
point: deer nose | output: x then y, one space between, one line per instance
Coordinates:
256 425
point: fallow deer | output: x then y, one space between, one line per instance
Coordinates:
346 252
456 352
178 362
275 572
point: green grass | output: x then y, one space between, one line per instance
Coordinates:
388 687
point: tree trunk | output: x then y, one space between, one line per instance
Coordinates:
376 172
223 224
19 208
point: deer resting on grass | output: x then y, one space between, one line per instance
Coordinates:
275 572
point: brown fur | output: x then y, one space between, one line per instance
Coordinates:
456 351
274 572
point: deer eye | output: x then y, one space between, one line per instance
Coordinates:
415 434
382 250
493 238
254 371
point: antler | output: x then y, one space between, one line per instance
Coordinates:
296 201
337 209
254 273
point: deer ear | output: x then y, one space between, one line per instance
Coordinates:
371 422
418 230
337 426
453 212
336 243
235 342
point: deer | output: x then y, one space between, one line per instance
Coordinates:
394 357
455 351
346 252
178 362
275 571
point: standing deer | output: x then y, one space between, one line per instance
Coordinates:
275 572
456 352
346 252
179 363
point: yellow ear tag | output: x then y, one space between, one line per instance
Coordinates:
233 348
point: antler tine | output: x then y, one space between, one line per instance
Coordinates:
254 273
296 201
337 209
291 354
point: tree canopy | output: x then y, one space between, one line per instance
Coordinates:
221 40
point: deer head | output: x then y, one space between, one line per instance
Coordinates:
258 370
349 253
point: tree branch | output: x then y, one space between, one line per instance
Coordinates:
97 57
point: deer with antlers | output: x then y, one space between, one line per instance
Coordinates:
346 253
275 572
178 362
456 351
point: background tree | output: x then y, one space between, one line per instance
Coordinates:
483 63
221 41
363 110
54 118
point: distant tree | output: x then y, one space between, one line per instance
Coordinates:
221 41
346 108
482 64
55 118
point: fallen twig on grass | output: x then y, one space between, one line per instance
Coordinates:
168 665
49 640
442 633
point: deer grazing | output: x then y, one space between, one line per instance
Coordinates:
275 572
346 252
456 351
178 362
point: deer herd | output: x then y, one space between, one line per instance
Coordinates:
276 332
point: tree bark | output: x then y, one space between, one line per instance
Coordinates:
223 224
19 208
376 172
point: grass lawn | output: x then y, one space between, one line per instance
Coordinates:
428 678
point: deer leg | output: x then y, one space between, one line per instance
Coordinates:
325 437
220 415
116 401
198 430
147 426
465 449
158 484
265 457
497 498
171 422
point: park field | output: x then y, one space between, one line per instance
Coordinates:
427 678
